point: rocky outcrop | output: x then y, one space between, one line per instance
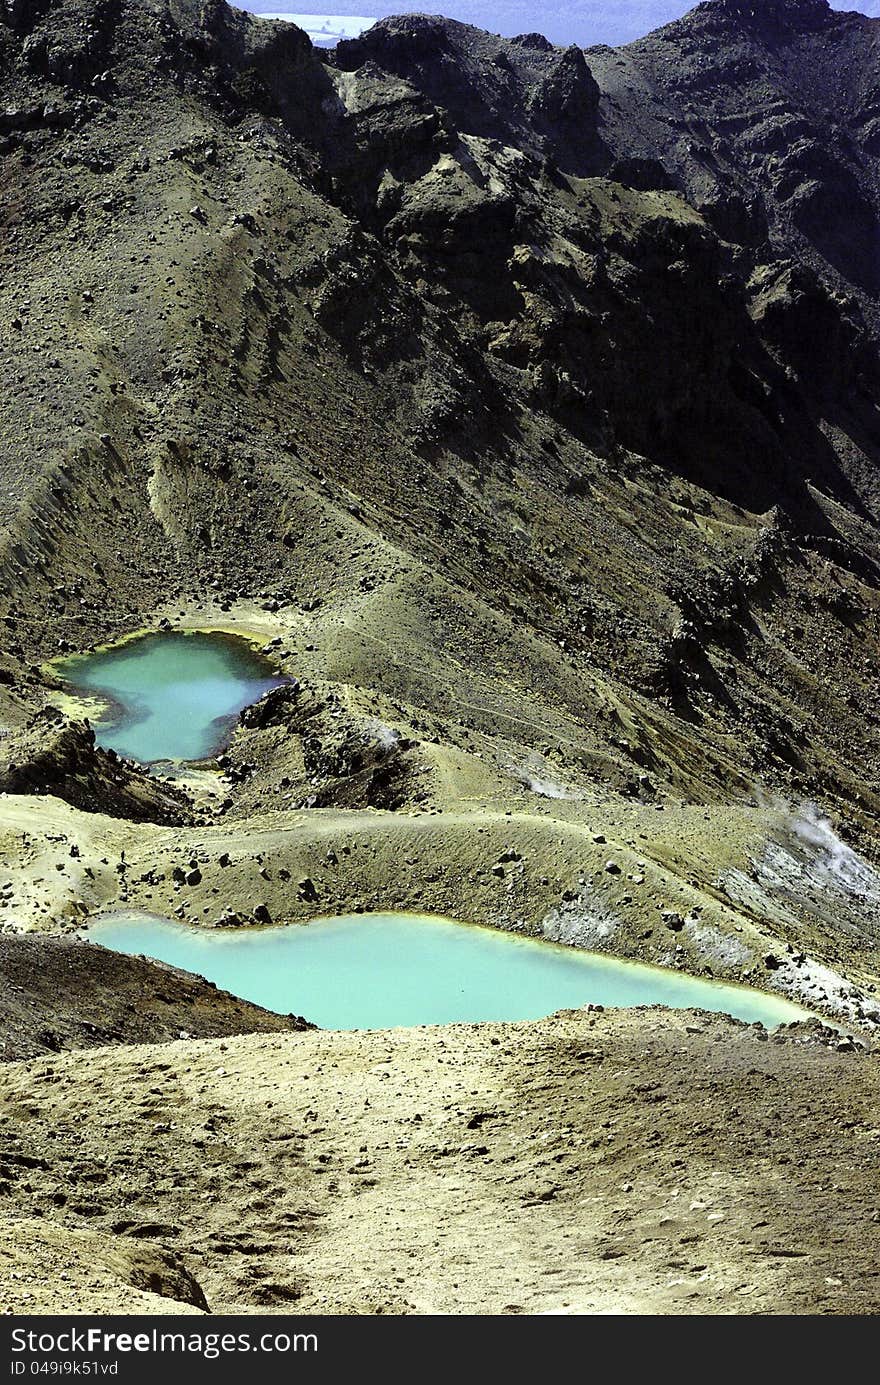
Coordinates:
54 755
540 99
773 104
339 760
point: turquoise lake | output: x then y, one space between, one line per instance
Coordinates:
171 696
380 971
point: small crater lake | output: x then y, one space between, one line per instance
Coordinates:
381 971
171 696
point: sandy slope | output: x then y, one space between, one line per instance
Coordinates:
589 1163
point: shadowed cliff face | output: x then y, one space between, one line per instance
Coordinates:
511 157
768 118
764 115
525 92
541 385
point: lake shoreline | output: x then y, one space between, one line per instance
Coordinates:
380 970
131 684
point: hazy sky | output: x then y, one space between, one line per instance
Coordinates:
563 21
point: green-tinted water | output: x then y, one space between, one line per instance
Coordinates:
378 971
171 696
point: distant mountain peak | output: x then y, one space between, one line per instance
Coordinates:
771 16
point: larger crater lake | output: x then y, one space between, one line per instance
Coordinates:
381 971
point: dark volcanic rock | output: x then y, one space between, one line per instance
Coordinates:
273 709
54 755
541 99
786 95
59 993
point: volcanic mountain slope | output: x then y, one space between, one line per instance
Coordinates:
540 446
767 117
430 362
375 340
378 330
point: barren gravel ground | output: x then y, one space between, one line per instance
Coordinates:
591 1163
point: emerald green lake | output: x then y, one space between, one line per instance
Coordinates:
380 971
171 696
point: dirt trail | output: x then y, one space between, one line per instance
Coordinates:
594 1162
